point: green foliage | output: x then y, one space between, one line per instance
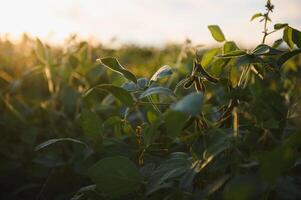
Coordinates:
223 123
115 176
217 33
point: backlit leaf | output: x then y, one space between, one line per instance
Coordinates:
216 33
113 64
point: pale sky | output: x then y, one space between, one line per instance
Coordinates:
147 22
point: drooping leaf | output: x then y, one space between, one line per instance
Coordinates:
256 16
115 176
216 33
157 90
296 35
264 49
53 141
91 124
286 56
113 64
248 59
280 26
190 104
123 95
161 73
288 36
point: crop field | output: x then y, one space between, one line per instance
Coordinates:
89 122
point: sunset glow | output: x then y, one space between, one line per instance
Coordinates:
139 21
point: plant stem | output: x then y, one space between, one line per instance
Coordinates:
235 122
265 29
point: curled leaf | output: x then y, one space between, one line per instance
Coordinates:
161 73
157 90
114 65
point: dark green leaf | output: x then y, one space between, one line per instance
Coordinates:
248 59
53 141
286 56
91 124
264 49
123 95
175 122
115 176
297 37
190 104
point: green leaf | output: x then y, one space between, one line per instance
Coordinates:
151 131
161 73
275 162
277 43
248 59
157 90
114 65
288 37
233 54
53 141
217 33
285 57
209 56
175 122
229 46
297 37
41 51
280 26
256 16
115 176
123 95
130 86
190 104
264 49
91 124
168 171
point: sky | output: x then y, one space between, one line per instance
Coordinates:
145 22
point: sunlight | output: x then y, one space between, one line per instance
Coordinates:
138 21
